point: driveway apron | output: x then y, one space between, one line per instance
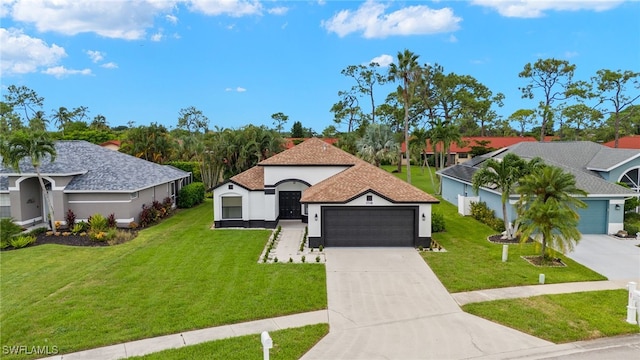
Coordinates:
617 259
386 303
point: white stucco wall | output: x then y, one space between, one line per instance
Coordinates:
310 174
225 191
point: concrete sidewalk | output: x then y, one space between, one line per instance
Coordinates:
463 298
151 345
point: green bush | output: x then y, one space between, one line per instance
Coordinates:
191 195
632 228
481 212
98 223
79 228
21 241
191 166
7 230
437 222
632 216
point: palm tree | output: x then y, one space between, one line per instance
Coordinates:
503 174
61 118
37 146
377 144
547 206
406 70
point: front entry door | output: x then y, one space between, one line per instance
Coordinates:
290 207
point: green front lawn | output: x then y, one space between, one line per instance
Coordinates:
562 318
472 262
287 344
176 276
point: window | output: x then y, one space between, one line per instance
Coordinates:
632 179
232 207
230 187
463 155
133 195
5 206
369 199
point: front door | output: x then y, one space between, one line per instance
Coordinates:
290 207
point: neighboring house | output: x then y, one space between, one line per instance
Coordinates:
291 142
112 144
460 154
87 179
596 168
345 200
626 142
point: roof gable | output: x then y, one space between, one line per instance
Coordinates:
360 179
311 152
252 179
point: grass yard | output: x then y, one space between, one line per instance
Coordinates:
287 344
472 262
176 276
562 318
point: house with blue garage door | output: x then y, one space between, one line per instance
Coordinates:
597 169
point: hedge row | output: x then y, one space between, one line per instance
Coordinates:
191 195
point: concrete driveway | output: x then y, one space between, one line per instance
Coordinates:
386 303
617 259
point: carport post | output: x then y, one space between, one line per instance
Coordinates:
505 252
631 307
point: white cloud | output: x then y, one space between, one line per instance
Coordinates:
22 54
452 38
370 19
235 8
60 71
157 36
280 10
383 60
538 8
238 89
95 56
112 19
109 65
171 18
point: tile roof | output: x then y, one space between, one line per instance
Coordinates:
360 179
312 151
579 158
291 142
252 179
626 142
496 142
96 168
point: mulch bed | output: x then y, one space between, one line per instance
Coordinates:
71 240
497 239
542 262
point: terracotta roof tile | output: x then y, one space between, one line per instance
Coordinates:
627 142
362 178
252 179
312 152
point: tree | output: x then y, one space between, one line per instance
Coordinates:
279 119
505 175
9 120
407 72
37 147
61 118
523 117
330 132
612 86
554 78
377 144
152 143
99 122
582 116
21 97
547 206
192 120
366 78
297 131
348 109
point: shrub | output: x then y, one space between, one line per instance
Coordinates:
21 241
191 195
437 222
133 225
632 228
70 217
7 230
317 259
98 235
148 215
303 258
98 223
481 212
111 220
80 228
38 231
122 236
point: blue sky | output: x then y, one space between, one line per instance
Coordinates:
241 61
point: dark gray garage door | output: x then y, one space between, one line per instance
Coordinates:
369 226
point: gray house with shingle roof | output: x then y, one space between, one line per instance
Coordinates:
346 201
87 179
596 168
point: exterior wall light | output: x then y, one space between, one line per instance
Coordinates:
617 206
315 217
424 218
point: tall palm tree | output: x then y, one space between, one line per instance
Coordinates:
378 144
61 118
407 71
503 174
547 206
36 146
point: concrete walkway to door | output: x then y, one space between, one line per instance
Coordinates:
386 303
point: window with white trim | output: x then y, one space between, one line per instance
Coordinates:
632 178
232 207
133 195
